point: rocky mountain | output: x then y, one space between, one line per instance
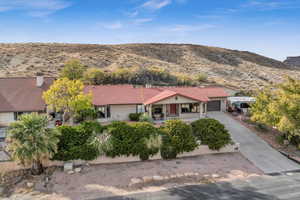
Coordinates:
239 69
293 61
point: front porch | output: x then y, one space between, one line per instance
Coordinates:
183 111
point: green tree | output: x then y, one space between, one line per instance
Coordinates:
280 108
73 70
201 77
68 96
30 141
94 76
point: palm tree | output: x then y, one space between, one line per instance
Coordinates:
31 142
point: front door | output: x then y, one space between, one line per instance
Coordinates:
173 109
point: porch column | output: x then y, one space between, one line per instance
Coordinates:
165 111
201 109
179 111
150 110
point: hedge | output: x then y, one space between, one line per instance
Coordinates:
212 133
177 138
78 142
135 116
138 139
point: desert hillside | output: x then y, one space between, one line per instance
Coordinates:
293 61
240 69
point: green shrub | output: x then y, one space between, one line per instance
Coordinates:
145 118
135 116
261 127
149 140
177 138
84 115
78 142
139 139
212 133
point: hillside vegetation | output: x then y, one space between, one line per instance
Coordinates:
238 69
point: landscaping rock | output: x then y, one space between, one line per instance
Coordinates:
136 181
71 172
158 178
237 172
29 184
215 175
68 166
147 179
78 170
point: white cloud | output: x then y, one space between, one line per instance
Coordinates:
190 28
112 25
34 7
156 4
142 21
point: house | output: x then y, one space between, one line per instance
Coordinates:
21 95
116 102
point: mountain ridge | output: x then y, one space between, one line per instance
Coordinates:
241 69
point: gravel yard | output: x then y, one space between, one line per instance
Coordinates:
104 180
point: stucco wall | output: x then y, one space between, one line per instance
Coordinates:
179 99
6 118
121 112
223 102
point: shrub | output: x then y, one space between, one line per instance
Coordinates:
201 77
212 133
261 127
177 138
84 115
145 118
139 139
149 140
78 142
134 116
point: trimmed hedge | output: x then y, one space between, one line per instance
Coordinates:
135 116
212 133
177 138
139 139
78 142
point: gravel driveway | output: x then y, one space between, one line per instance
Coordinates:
254 148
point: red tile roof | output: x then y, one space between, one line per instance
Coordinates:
22 94
128 94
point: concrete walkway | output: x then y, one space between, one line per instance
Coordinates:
254 148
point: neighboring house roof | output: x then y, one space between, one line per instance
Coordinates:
128 94
22 94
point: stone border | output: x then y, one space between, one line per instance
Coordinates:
202 150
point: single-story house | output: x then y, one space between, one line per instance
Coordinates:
21 95
116 102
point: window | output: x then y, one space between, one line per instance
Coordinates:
101 111
17 115
190 108
139 108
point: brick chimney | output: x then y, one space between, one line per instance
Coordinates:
39 79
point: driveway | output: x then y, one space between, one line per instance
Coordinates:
254 148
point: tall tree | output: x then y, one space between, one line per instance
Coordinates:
73 70
280 107
30 141
68 97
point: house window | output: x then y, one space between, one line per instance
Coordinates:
17 115
190 108
108 111
139 108
101 110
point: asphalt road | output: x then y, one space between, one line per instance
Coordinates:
281 187
261 154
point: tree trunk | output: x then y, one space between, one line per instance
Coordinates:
37 168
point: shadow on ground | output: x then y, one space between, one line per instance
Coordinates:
201 192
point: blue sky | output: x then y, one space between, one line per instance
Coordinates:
267 27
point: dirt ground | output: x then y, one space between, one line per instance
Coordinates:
117 179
